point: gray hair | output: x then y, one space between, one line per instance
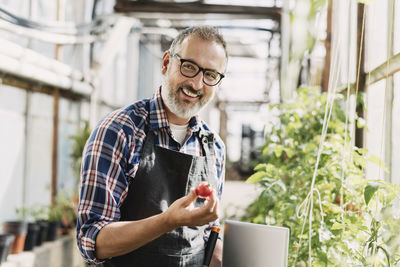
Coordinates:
207 33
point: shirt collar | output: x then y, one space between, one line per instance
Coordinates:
158 116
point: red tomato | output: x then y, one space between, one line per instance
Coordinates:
204 189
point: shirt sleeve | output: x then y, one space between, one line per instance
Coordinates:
103 185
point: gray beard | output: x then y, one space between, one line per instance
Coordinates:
182 110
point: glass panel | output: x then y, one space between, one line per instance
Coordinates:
396 27
68 126
374 134
40 136
376 40
396 130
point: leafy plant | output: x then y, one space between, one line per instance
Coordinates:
351 223
79 141
55 212
31 213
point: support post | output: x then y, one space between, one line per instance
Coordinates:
360 79
328 42
56 102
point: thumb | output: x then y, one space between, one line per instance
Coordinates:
189 198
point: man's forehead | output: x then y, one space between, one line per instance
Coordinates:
203 52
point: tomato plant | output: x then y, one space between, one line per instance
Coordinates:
359 226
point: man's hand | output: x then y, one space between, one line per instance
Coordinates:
183 213
118 238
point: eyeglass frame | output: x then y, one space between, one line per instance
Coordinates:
201 69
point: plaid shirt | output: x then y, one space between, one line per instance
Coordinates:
111 159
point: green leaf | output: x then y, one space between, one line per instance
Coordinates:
282 185
322 257
386 254
278 151
290 152
256 177
378 162
260 166
369 191
337 226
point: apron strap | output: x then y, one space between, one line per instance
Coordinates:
207 142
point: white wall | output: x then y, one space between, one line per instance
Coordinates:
12 149
39 147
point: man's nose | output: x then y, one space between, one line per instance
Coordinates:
198 81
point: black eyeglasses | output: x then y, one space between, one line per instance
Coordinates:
190 69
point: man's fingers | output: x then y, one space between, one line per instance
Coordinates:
216 210
189 198
211 202
208 212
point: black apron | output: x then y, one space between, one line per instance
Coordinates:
162 177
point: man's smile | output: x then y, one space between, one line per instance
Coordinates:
189 92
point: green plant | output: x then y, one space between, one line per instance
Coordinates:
79 141
62 210
31 213
351 223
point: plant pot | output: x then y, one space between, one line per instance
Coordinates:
42 235
19 230
52 232
6 241
32 236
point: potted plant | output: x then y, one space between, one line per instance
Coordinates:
69 212
40 215
54 216
19 230
28 214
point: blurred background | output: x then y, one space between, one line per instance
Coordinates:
66 64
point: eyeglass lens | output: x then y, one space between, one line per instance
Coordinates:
190 70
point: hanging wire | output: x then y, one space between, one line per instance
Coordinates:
347 141
305 209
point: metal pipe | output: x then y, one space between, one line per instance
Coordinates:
30 56
42 75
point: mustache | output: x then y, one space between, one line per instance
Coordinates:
191 89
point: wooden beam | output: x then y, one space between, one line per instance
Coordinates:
56 111
35 86
54 150
386 69
127 6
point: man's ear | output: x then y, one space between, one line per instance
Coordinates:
165 62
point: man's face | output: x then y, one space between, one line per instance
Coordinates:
183 96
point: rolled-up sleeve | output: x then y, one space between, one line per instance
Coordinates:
103 185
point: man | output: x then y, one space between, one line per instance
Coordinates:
140 165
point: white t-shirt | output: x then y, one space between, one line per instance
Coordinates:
179 132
